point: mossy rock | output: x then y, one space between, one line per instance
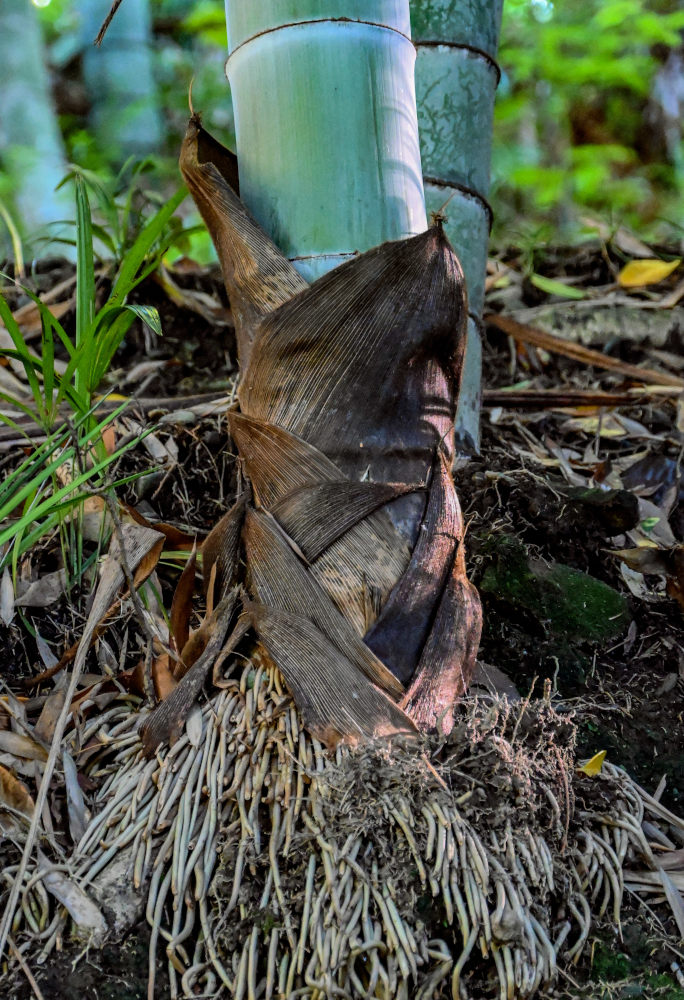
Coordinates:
564 600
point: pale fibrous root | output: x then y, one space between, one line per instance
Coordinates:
275 868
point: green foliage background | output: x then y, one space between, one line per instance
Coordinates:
571 137
571 145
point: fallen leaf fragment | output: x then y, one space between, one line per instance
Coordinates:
91 926
552 287
674 898
6 598
638 273
76 807
21 746
16 804
43 592
593 766
181 605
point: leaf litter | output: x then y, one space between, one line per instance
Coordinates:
602 697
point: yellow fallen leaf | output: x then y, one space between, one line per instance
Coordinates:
593 767
646 272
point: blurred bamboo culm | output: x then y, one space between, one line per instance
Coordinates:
31 150
120 80
456 80
326 126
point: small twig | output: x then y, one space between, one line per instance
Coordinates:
529 335
25 969
107 21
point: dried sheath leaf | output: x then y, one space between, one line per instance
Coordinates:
448 659
391 320
318 515
279 580
368 559
403 626
221 548
336 701
16 804
167 720
257 275
181 604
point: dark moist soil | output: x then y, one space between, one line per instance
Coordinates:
628 687
640 726
116 972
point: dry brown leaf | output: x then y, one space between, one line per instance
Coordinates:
20 745
6 597
175 537
28 316
45 726
43 592
585 355
16 804
162 676
181 604
167 721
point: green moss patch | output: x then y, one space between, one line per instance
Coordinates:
564 600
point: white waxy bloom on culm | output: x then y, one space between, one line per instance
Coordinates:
326 126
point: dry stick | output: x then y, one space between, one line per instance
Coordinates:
25 969
107 21
29 429
521 399
530 335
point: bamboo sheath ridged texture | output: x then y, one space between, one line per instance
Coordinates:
350 519
325 122
456 80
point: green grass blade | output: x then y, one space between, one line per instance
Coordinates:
115 325
14 401
22 350
17 248
33 471
47 355
128 272
85 283
48 505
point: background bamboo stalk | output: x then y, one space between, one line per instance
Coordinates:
456 79
326 125
31 149
118 74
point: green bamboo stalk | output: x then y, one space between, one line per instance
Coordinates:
326 125
456 78
31 147
120 80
